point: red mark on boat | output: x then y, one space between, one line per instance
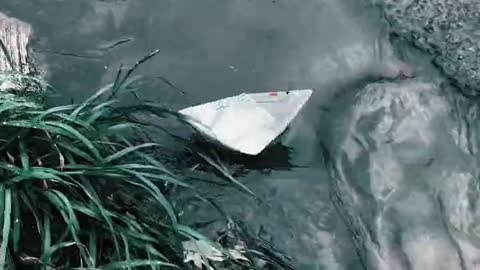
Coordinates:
273 94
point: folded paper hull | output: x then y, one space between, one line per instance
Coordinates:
248 122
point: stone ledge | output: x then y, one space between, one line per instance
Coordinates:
14 36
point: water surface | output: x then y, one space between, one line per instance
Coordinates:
381 171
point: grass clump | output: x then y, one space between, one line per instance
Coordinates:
71 176
61 169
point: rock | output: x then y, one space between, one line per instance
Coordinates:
14 36
17 71
446 29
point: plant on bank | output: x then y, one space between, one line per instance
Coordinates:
62 170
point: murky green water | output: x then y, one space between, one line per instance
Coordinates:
388 174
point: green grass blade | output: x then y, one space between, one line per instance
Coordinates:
156 193
90 100
124 82
2 199
136 263
17 221
90 192
9 168
24 156
127 250
63 205
56 110
127 151
92 246
38 173
77 135
9 106
47 234
34 125
166 178
100 110
135 235
6 226
85 210
149 256
155 163
47 255
121 128
26 201
190 233
76 151
226 173
75 121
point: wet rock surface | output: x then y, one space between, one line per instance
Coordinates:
14 36
403 177
447 29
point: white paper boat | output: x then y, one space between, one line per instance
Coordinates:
248 122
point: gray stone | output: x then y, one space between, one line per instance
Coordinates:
447 29
14 36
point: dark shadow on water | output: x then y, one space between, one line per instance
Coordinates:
275 157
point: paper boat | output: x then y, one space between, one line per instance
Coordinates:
247 123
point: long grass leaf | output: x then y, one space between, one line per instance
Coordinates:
127 151
90 100
120 128
92 246
6 106
190 233
57 110
24 156
75 121
127 250
155 163
136 263
2 199
166 178
90 191
226 173
36 174
47 235
47 255
63 205
100 110
17 222
30 124
26 201
78 135
6 226
155 191
124 81
76 151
